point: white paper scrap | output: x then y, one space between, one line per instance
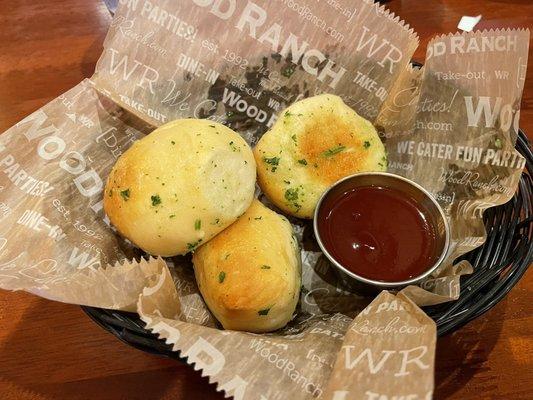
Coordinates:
467 23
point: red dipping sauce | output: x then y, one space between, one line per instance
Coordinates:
378 233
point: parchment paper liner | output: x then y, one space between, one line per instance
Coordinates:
57 245
392 337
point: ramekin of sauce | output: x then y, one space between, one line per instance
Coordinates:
381 230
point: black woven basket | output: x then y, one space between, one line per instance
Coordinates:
498 266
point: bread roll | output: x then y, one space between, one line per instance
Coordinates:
179 186
249 275
314 143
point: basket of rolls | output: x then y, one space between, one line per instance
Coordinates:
242 188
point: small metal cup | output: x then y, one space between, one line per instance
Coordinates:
423 197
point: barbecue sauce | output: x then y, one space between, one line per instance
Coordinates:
378 233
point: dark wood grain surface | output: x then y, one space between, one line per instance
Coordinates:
53 351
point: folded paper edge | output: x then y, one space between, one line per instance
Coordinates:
381 9
150 326
485 31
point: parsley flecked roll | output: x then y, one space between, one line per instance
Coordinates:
314 143
250 274
179 186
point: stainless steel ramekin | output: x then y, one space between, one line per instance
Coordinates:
422 196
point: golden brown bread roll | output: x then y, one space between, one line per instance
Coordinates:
250 273
179 186
314 143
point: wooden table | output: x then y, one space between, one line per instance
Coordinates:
51 350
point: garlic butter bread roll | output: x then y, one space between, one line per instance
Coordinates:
314 143
179 186
249 274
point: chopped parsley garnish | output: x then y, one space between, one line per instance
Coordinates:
263 312
333 151
172 216
291 194
498 143
271 161
303 161
197 224
173 142
265 267
287 72
156 200
111 193
287 114
274 161
212 126
257 218
233 147
217 220
227 256
192 246
366 144
293 137
221 277
125 194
